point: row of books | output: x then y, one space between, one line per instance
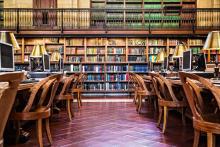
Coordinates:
97 58
117 77
93 68
113 50
196 50
74 50
116 42
110 6
195 42
75 68
95 50
92 77
116 86
94 86
115 15
137 42
153 58
155 50
116 58
173 42
156 42
137 59
138 68
98 5
137 51
17 58
116 68
101 68
76 59
75 42
96 41
28 49
107 86
133 16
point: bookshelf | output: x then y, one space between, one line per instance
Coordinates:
1 13
135 18
105 60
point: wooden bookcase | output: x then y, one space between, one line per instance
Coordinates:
135 18
106 60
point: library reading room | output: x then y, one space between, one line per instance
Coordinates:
109 73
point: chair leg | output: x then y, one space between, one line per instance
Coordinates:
137 104
78 99
183 116
196 138
140 104
1 142
68 110
39 132
210 140
165 115
160 116
71 108
135 97
47 123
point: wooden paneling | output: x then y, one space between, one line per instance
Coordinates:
204 3
18 3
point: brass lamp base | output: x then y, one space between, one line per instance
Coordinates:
216 72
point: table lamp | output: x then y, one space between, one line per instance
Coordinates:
38 51
9 37
178 54
180 48
36 60
213 43
56 58
160 56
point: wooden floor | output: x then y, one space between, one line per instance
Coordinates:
115 125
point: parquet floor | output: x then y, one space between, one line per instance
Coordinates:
115 125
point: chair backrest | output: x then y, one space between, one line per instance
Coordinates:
9 83
132 81
78 82
141 83
49 90
38 91
169 93
193 86
66 85
158 86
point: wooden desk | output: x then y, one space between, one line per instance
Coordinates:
179 83
25 86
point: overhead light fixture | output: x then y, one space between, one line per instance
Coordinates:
9 37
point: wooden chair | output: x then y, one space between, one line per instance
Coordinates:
205 117
133 85
142 91
38 106
167 99
9 83
66 95
78 87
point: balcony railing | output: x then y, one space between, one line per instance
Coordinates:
108 19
